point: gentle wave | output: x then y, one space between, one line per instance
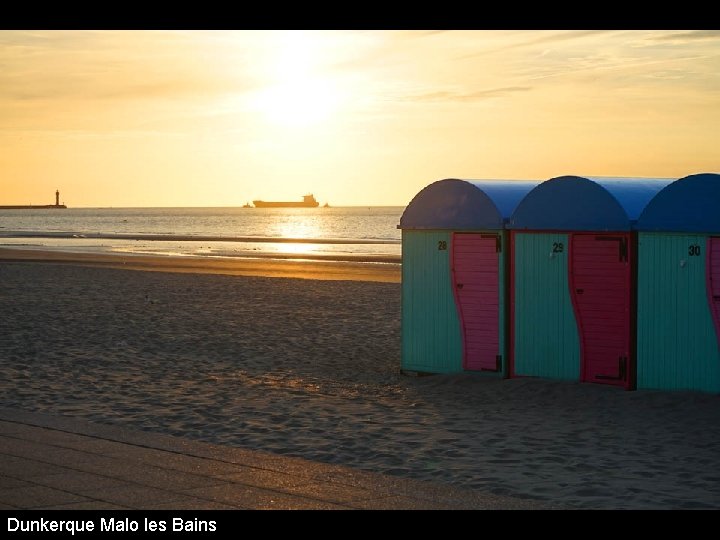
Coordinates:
194 238
352 233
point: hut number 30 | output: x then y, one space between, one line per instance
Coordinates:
694 250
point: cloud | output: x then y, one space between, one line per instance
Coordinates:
448 96
425 33
546 38
684 37
103 66
40 87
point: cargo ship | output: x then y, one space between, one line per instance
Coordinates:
307 202
36 207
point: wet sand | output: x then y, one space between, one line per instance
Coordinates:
310 368
375 270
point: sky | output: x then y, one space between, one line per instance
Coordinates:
220 118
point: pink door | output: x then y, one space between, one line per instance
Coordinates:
600 286
476 281
713 280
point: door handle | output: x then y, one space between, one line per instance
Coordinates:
459 285
579 291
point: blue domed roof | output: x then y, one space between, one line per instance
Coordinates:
690 204
579 203
465 204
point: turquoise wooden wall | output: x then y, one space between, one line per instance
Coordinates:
546 341
503 311
677 347
431 337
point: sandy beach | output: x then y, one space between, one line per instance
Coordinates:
310 367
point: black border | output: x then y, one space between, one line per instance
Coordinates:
365 16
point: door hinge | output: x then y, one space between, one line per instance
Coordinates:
622 245
622 371
498 364
498 241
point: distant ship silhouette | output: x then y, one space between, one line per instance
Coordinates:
307 202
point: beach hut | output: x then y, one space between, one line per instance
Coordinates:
573 283
679 287
453 275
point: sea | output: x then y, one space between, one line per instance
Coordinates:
362 234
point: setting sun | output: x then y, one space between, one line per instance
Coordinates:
299 94
303 102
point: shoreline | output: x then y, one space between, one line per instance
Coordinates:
196 238
350 270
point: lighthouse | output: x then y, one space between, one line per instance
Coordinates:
57 197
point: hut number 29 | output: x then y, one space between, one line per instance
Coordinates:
442 245
694 250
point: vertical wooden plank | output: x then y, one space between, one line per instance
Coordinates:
601 294
504 295
475 273
712 273
431 338
545 339
677 345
